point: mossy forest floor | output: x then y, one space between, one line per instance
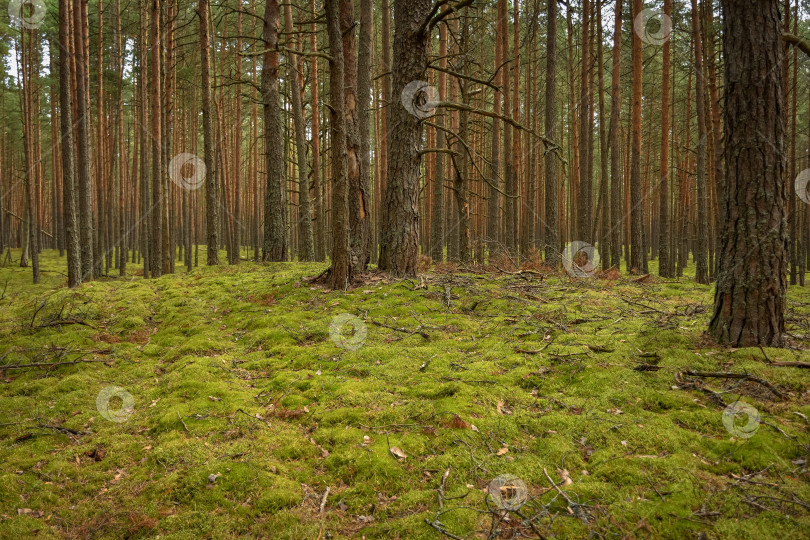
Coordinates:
244 411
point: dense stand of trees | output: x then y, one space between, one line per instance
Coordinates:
468 131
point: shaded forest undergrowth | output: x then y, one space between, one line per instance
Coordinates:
248 419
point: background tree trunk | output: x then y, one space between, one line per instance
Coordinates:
340 272
211 191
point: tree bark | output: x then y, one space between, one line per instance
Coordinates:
664 262
749 301
340 272
69 212
85 187
211 191
638 250
552 246
400 231
702 229
306 248
275 236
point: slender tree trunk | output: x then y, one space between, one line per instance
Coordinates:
552 247
320 232
702 250
211 191
156 251
638 251
69 212
583 233
749 301
359 219
306 248
363 198
340 273
664 263
437 234
85 187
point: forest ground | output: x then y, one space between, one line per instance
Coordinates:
245 410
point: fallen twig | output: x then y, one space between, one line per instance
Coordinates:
743 376
404 330
63 429
181 420
323 501
51 364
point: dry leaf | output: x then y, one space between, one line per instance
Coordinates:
397 453
502 451
502 408
475 429
566 477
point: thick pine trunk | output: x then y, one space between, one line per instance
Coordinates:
749 300
400 231
275 238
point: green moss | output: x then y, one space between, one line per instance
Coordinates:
233 373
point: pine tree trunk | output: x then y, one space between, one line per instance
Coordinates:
306 249
702 232
211 191
664 263
67 150
552 246
437 234
400 232
359 219
340 273
749 302
363 196
320 231
85 188
275 238
638 251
